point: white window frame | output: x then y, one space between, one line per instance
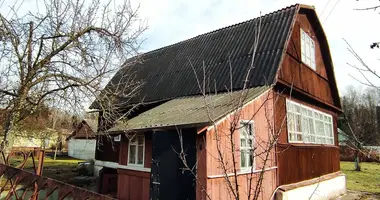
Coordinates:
137 152
251 148
308 50
117 138
307 133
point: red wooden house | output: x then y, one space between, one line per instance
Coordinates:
290 92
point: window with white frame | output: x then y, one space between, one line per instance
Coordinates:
117 138
307 125
307 50
136 150
246 145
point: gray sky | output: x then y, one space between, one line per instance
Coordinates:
171 21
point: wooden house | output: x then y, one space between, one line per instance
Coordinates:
81 143
281 64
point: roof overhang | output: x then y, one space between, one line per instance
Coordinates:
188 112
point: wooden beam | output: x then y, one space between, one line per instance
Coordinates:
308 95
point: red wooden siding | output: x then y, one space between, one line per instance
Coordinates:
133 185
298 162
123 158
302 162
201 167
294 72
107 149
261 111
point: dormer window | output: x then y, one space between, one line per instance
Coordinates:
307 50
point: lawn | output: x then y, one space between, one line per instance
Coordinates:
367 180
62 169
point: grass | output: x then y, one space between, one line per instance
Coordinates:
60 162
368 180
60 169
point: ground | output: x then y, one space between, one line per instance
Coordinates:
364 185
63 169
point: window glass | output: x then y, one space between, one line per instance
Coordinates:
308 125
136 150
246 145
307 50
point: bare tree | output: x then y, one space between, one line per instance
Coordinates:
62 51
360 120
261 147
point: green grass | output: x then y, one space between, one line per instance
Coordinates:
60 162
368 180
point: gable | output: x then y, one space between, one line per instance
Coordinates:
319 83
225 55
83 131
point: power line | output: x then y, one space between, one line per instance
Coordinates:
327 3
330 11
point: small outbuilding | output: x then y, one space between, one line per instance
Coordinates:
82 142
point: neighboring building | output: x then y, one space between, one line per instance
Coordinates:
291 91
82 142
343 138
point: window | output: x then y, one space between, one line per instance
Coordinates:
307 50
117 138
246 145
308 125
136 150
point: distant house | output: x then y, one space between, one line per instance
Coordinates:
291 90
343 138
82 142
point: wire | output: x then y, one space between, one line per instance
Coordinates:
327 3
330 11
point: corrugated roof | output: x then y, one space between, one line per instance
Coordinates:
225 54
189 110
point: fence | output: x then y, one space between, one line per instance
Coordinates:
16 183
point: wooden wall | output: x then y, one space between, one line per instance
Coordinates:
294 72
261 112
134 184
123 157
107 150
298 162
302 162
83 131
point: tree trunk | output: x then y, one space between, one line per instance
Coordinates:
9 130
356 159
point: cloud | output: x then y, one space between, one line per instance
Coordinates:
172 21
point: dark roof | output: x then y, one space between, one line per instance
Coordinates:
167 72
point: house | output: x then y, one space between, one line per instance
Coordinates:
82 142
220 101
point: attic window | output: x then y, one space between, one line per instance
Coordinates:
307 50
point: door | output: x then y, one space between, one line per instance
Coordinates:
169 179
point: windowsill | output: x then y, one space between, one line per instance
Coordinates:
242 172
115 165
301 144
134 168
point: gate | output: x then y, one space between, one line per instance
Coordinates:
16 183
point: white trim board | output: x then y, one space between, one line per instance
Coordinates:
115 165
242 172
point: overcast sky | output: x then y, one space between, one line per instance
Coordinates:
171 21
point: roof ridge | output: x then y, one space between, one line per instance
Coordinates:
219 29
